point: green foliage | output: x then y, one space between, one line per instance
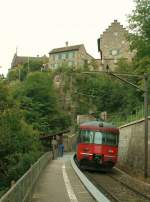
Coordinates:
139 23
13 74
63 69
139 38
21 72
18 141
108 94
31 106
99 92
28 108
142 66
123 66
39 102
3 95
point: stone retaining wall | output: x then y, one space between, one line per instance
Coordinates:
131 145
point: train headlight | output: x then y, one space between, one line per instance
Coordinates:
110 151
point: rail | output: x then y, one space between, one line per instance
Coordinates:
120 119
22 189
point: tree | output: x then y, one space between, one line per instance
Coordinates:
39 102
139 24
97 93
19 146
21 71
19 143
4 98
139 38
13 74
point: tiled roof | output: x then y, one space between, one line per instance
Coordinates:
24 59
67 48
90 55
114 23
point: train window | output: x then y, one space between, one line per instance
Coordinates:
111 139
98 139
105 138
86 136
79 138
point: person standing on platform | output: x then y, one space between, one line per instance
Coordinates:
61 149
54 146
60 146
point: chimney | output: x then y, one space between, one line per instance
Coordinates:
115 21
66 43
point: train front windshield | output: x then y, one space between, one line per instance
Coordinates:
97 137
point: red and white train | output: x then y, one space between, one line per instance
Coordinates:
97 145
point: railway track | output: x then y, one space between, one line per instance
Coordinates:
115 189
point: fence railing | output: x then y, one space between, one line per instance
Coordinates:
21 191
120 119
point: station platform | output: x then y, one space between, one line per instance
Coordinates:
59 183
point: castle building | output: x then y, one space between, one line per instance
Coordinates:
72 56
113 45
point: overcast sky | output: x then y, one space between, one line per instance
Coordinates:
37 26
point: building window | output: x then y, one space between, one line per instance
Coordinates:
114 52
70 63
55 65
67 55
63 55
115 33
57 78
59 56
115 61
71 54
56 57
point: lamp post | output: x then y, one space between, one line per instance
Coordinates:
145 90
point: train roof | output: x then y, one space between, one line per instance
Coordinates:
100 126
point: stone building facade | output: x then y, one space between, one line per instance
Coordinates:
113 45
72 56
